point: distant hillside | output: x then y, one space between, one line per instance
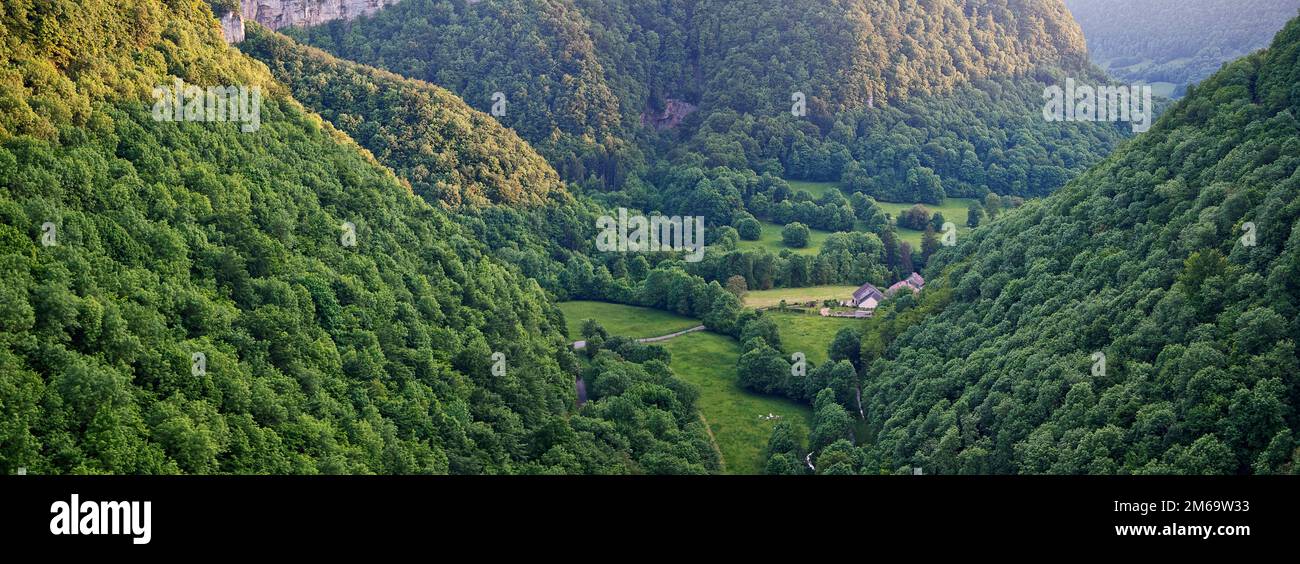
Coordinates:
1179 42
538 54
449 152
571 56
580 77
999 367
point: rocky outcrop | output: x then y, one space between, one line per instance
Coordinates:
276 14
674 112
232 27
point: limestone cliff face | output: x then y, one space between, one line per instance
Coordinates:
276 14
232 27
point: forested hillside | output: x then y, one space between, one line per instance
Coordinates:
844 53
984 137
609 90
449 152
1177 259
538 54
1179 42
364 280
182 297
748 56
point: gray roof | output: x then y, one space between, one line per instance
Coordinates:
867 291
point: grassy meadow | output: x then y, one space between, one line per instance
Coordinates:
810 334
817 189
953 209
708 361
770 239
766 298
623 320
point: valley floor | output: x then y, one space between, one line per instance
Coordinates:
770 239
955 210
739 420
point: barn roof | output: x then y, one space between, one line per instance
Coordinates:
867 291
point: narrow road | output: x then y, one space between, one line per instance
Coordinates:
671 335
581 388
579 345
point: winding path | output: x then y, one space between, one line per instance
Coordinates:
579 345
581 387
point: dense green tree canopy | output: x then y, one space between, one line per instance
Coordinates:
449 152
1123 324
201 311
366 282
884 85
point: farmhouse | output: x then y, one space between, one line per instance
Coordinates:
914 282
865 297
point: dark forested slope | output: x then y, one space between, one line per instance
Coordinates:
181 296
752 54
568 57
602 88
1142 259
